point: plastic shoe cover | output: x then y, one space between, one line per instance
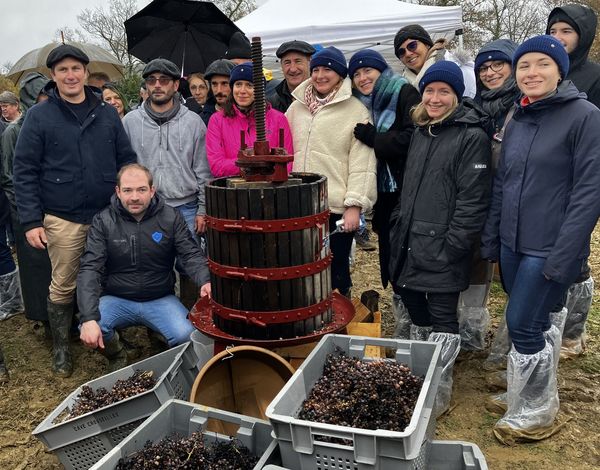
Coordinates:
403 321
500 347
532 397
11 301
473 324
579 301
420 333
450 348
496 404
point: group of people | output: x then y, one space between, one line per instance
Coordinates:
463 165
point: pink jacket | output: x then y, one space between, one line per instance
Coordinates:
223 138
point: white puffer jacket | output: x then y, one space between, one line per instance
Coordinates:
325 144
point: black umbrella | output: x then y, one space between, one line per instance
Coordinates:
190 33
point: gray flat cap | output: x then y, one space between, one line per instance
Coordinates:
219 67
8 97
63 51
162 66
295 46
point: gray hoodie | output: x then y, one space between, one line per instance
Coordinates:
174 152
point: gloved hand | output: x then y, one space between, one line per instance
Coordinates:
365 133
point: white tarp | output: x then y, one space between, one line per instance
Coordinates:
349 25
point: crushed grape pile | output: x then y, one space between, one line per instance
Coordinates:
175 452
88 400
379 394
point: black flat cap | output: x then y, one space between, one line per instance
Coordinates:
219 67
63 51
162 66
295 46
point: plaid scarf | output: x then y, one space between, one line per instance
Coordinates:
313 102
382 103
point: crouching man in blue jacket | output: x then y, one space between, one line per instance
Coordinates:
126 276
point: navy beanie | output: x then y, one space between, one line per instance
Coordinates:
366 58
241 72
332 58
548 45
447 72
490 55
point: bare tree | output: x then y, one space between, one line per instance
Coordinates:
107 28
235 9
66 33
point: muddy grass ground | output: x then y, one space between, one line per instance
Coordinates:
33 392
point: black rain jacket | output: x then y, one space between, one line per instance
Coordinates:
444 201
134 260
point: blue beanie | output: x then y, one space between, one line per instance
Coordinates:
447 72
332 58
548 45
241 72
366 58
490 55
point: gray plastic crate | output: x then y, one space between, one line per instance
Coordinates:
443 455
82 441
299 440
185 418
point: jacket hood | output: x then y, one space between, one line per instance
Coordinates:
586 21
343 93
31 87
156 204
566 91
506 46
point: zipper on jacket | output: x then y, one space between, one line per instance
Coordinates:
308 141
133 248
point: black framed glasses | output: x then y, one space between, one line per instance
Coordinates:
162 80
495 66
411 47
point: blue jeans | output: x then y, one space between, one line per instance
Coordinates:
166 316
188 211
531 298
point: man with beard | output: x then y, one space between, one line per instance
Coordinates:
126 276
217 75
169 140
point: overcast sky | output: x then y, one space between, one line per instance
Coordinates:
29 24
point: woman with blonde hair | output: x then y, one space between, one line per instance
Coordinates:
442 209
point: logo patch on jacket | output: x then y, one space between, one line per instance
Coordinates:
479 166
157 237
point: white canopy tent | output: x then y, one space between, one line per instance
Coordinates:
349 25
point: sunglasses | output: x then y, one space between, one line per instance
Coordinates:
162 80
411 46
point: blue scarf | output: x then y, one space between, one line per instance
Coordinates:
382 104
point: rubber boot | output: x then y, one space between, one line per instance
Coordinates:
60 317
420 333
450 348
532 397
188 291
115 352
3 370
403 321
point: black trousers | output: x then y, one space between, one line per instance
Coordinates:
340 245
432 309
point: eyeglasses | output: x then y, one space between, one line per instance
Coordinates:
162 80
411 46
495 66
